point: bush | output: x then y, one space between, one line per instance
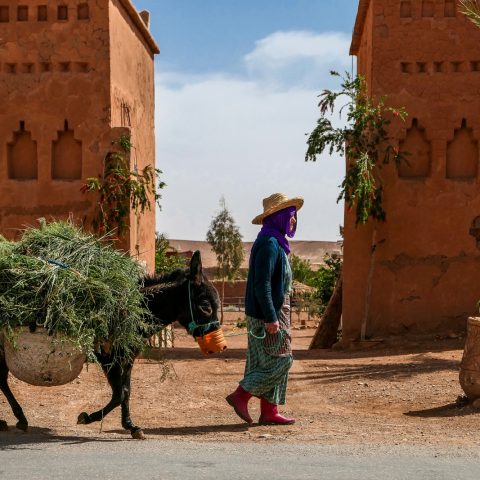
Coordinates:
166 262
323 281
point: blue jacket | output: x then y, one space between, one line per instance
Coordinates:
265 291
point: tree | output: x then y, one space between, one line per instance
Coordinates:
471 8
325 278
326 334
121 190
364 141
226 241
322 280
366 144
165 263
301 269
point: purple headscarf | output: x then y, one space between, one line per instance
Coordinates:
278 225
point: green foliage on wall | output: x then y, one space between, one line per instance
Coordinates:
364 141
120 189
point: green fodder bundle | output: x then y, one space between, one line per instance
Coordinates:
72 284
5 246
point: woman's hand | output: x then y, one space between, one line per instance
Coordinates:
272 328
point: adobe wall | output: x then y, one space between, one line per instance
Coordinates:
234 291
55 105
133 105
65 72
364 57
423 276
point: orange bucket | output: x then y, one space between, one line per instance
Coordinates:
212 342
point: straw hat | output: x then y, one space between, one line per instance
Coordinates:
275 203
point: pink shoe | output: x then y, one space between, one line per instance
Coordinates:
269 415
239 400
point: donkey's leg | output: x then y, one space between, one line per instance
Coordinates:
22 423
114 376
126 420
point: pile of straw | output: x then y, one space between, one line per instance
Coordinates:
72 284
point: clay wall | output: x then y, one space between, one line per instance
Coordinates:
364 59
417 272
61 74
133 102
55 105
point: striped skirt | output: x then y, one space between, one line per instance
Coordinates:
268 359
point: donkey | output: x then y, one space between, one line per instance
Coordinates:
183 295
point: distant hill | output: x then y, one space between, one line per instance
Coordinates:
314 251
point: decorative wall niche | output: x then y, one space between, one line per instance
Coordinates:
62 12
457 67
406 9
428 8
450 8
83 12
4 14
42 13
22 156
421 67
28 68
81 67
67 156
417 163
462 154
22 13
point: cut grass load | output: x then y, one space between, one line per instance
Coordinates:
75 285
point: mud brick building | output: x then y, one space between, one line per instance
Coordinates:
75 75
419 272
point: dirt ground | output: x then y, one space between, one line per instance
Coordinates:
385 393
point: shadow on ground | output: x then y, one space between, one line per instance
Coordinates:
15 439
191 430
388 348
390 371
449 410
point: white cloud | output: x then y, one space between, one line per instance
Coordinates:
297 57
239 137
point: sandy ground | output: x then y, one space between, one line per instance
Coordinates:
389 393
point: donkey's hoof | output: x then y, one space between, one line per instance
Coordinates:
22 426
138 434
3 426
83 419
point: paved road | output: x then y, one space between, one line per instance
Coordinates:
77 459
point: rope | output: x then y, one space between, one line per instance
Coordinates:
281 334
193 325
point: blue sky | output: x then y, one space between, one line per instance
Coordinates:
236 91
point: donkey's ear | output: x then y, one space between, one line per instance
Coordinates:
196 274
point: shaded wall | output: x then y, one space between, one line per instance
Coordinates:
133 104
422 276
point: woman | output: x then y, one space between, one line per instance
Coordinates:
267 307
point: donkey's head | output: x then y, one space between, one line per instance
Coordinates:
203 301
185 296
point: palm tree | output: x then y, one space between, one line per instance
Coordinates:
471 8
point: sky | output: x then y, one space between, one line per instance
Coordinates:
237 85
